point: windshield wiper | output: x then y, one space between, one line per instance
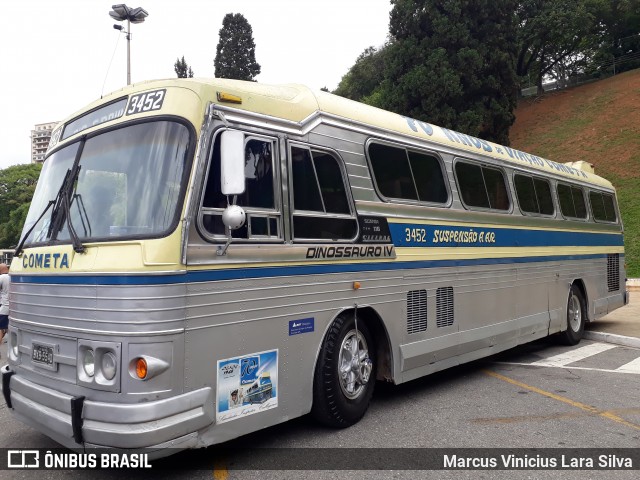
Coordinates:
62 210
56 207
82 210
18 250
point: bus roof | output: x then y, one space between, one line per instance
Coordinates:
298 103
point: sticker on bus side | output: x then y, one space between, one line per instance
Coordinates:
146 102
246 385
304 325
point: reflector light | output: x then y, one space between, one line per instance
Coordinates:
228 98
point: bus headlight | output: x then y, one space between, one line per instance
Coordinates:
98 364
109 365
89 362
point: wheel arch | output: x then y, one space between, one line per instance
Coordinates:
384 351
580 285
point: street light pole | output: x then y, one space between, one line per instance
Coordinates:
128 52
121 13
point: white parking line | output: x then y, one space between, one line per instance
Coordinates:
632 367
571 356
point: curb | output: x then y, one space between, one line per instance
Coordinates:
633 284
613 338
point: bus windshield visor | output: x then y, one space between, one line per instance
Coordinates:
128 185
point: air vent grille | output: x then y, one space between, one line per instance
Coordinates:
613 272
444 307
416 311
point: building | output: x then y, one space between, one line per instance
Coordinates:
40 136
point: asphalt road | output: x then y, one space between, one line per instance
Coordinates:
540 395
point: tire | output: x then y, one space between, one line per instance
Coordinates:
341 399
576 317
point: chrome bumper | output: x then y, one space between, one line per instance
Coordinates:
73 421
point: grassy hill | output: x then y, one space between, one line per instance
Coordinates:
599 123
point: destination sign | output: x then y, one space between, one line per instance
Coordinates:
96 117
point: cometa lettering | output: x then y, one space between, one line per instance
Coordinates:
45 260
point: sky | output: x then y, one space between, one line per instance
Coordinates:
60 55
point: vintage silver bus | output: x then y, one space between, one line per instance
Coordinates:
203 259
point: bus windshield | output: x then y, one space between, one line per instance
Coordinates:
128 184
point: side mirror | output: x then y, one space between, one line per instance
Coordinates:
232 162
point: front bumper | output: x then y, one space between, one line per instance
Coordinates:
73 421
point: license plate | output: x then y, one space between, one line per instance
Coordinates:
42 354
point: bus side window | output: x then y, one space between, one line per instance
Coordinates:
602 207
572 204
482 187
320 200
258 199
534 194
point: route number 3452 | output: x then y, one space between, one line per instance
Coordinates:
146 102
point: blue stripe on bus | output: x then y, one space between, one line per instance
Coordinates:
418 235
265 272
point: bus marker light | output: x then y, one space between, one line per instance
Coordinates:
228 98
356 285
141 368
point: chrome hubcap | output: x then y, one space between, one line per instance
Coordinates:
575 313
354 365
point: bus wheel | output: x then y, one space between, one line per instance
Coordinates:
345 374
576 317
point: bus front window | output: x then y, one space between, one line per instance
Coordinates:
128 184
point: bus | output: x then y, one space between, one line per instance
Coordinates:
206 258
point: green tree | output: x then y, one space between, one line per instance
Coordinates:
182 69
17 185
555 37
619 40
364 77
236 51
451 62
